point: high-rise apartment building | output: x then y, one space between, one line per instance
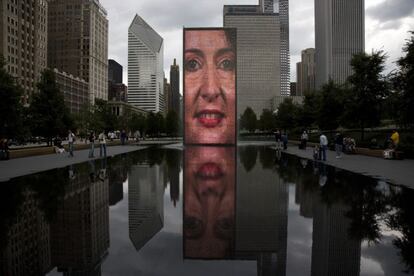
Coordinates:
305 72
175 87
145 67
23 37
78 42
339 33
258 56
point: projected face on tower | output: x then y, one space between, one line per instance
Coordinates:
209 86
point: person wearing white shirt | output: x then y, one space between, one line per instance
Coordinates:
323 142
102 144
71 140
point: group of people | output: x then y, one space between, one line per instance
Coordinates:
91 139
281 139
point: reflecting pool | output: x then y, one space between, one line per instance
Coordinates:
205 211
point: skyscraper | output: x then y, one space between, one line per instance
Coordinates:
78 42
339 33
258 56
145 67
114 71
23 37
263 52
175 87
305 72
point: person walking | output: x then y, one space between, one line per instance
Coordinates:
304 139
323 142
92 144
278 138
71 140
284 139
339 141
102 144
123 137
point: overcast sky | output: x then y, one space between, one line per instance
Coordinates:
387 23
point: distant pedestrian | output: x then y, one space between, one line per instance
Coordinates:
123 137
395 138
304 139
323 146
284 139
102 144
91 144
339 141
71 140
4 149
278 139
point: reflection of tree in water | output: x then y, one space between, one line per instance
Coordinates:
11 198
403 220
367 204
155 156
267 158
248 156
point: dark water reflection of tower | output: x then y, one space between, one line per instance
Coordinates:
145 203
261 216
80 232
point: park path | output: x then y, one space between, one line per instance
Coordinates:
399 172
29 165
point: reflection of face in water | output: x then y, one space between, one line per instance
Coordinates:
209 198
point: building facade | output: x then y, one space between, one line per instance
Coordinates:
117 92
23 37
74 89
339 33
305 72
145 67
174 103
78 42
258 56
114 71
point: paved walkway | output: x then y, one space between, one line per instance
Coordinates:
399 172
29 165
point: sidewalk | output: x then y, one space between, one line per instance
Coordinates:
29 165
400 172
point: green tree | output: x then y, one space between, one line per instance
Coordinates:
160 123
154 123
368 90
248 120
286 117
103 116
404 85
308 112
171 123
266 122
137 122
330 109
49 115
11 123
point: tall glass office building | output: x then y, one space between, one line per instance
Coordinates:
263 62
339 33
145 67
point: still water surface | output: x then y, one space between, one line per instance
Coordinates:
205 211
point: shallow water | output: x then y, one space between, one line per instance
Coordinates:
205 211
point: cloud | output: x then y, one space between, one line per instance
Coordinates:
391 10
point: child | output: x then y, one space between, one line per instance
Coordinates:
316 153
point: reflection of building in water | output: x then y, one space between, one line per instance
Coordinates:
146 206
261 219
116 177
174 176
28 248
333 251
304 197
80 233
